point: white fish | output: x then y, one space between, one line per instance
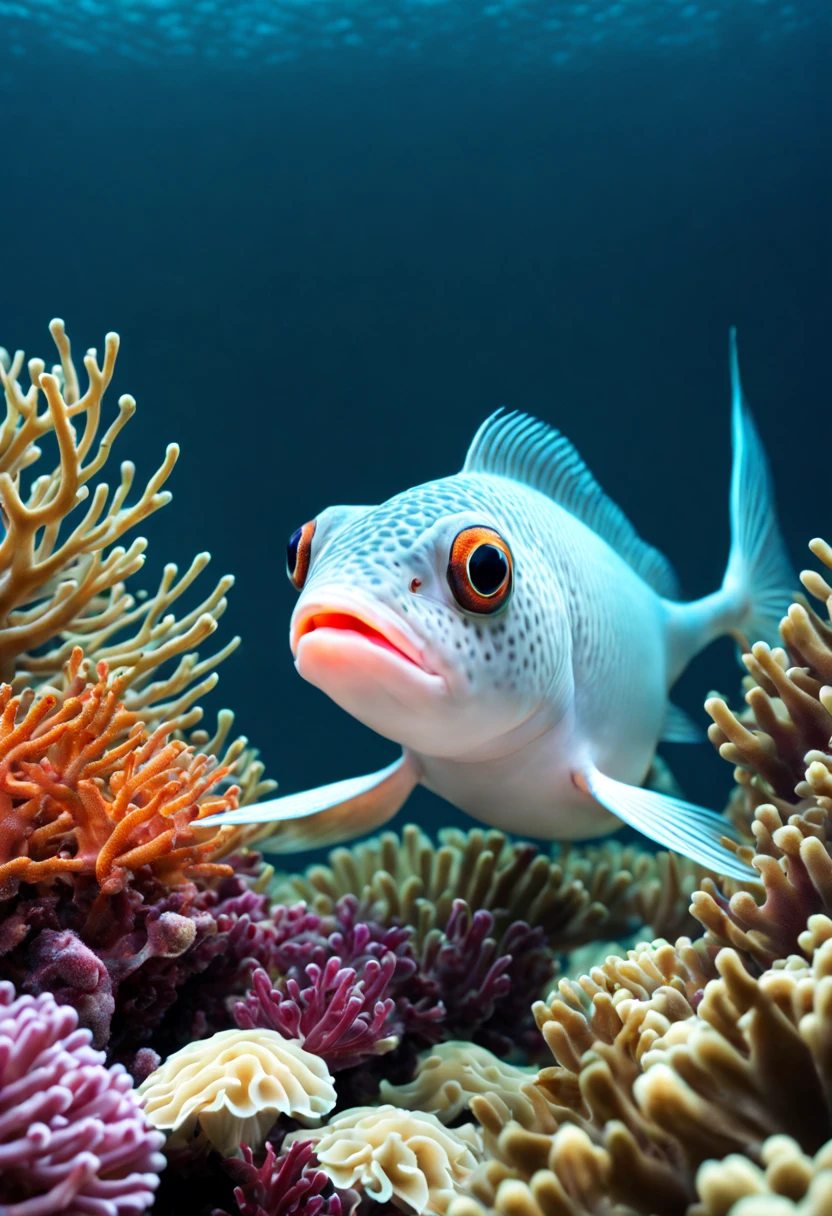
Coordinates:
508 628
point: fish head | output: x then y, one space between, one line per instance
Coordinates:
422 617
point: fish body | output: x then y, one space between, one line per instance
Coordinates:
511 632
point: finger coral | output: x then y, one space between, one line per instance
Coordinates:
571 1178
787 1182
346 989
407 1158
234 1086
754 1063
285 1185
72 1134
452 1073
574 897
782 753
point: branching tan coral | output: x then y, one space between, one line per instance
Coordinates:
63 570
575 897
595 1008
233 1086
452 1073
662 1068
787 1184
395 1156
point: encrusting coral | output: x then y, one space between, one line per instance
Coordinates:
72 1134
233 1086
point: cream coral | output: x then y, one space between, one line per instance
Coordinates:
450 1075
396 1156
233 1086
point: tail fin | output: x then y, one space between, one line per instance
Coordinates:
759 578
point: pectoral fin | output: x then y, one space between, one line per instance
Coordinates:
330 814
680 728
678 825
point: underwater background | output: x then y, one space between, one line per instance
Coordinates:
335 236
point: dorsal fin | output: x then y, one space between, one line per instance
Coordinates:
518 446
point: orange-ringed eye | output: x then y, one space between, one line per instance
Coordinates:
480 570
298 553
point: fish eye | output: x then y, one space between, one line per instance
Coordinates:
480 570
298 554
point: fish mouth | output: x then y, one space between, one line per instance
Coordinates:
356 621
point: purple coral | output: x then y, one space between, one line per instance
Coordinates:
338 1016
343 987
486 987
284 1185
72 1134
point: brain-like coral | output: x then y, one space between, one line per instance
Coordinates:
403 1157
233 1086
72 1135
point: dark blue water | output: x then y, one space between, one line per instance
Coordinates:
331 250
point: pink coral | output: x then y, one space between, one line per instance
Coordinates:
72 1134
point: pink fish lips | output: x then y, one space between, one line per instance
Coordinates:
346 634
349 626
366 663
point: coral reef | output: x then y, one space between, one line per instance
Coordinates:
72 1134
233 1086
106 884
603 1031
489 917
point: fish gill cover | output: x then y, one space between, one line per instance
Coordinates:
273 32
444 1026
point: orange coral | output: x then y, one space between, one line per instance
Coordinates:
86 789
